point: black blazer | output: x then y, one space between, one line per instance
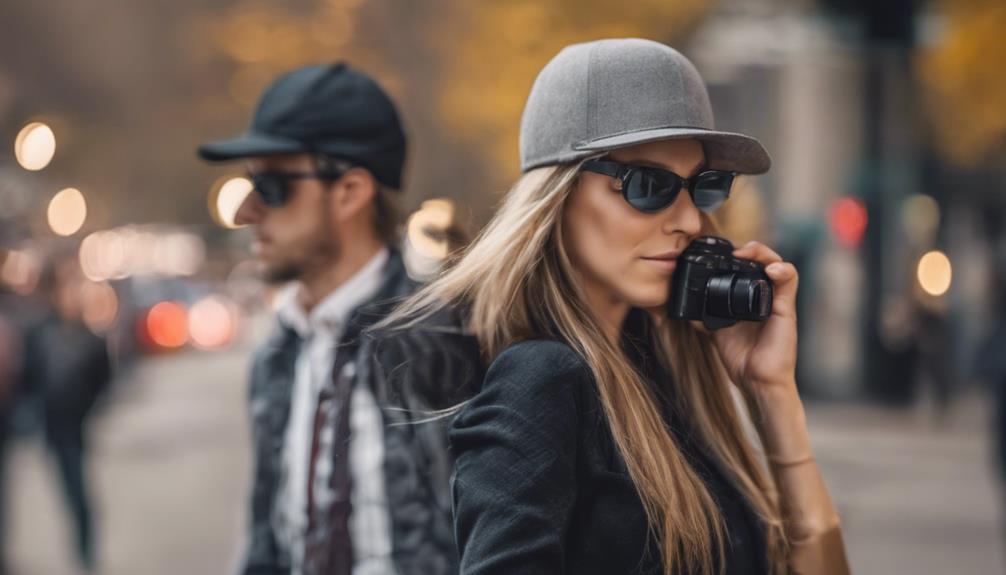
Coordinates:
539 486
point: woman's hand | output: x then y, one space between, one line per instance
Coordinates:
762 355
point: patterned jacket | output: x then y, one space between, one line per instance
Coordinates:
399 500
416 374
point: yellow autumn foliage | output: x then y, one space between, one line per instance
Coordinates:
499 51
965 87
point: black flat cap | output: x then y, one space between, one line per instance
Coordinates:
329 109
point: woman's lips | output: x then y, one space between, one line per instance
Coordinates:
663 263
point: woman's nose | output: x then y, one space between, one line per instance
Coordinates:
682 216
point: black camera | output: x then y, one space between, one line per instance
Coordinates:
711 285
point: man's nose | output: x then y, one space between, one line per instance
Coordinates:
251 210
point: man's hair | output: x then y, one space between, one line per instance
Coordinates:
387 213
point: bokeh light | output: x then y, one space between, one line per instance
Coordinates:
226 198
102 256
20 271
427 226
99 306
123 252
35 146
212 323
934 273
428 241
166 325
67 212
178 254
137 246
847 218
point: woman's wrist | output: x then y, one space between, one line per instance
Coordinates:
777 391
784 424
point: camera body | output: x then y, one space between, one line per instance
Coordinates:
711 285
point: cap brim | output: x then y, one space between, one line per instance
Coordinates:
248 145
724 150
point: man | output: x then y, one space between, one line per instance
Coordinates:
325 152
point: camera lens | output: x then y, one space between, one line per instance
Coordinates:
751 298
729 296
719 290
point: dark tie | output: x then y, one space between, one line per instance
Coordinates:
328 547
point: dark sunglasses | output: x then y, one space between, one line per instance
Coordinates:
653 189
274 187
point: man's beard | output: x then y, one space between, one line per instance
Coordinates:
296 268
280 274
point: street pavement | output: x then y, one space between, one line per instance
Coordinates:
170 464
171 459
917 494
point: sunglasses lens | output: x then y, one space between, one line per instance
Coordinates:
650 192
712 189
271 190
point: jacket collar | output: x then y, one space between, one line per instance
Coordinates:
331 313
395 286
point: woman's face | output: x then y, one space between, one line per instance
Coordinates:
626 256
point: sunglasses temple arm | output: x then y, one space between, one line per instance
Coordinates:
612 169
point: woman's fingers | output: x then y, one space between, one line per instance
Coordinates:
783 275
785 280
758 252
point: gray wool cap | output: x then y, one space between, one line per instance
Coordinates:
609 94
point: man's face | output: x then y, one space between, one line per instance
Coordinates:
297 237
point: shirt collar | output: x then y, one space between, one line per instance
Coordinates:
332 312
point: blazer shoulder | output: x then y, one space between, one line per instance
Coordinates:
535 393
541 355
537 371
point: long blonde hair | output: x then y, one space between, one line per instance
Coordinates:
516 282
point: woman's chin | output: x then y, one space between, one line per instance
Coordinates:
649 299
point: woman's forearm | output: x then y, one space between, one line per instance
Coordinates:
803 494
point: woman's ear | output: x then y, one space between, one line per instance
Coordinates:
352 194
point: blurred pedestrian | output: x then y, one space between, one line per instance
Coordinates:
22 319
990 366
69 365
933 358
9 358
10 373
325 152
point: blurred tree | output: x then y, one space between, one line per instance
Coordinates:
965 89
133 88
261 40
251 42
460 70
493 59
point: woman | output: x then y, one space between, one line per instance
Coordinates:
605 438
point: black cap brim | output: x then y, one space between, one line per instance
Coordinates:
248 145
